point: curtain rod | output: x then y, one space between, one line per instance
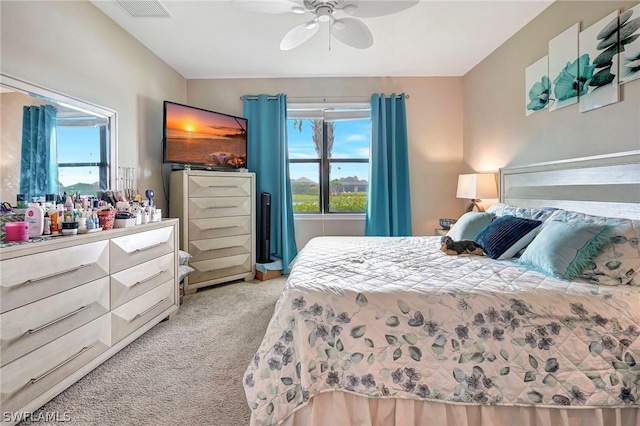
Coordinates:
318 98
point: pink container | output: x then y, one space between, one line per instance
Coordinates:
17 231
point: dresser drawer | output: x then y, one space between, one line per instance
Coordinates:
27 377
141 247
128 284
132 315
217 268
201 229
31 326
29 278
216 248
219 186
219 207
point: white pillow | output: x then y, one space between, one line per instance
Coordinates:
541 214
183 257
183 271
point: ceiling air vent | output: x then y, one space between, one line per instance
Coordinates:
144 8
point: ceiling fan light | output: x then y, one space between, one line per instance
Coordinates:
324 13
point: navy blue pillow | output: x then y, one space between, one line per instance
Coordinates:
507 234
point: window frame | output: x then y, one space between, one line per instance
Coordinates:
328 113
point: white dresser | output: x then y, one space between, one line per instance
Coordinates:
68 304
217 220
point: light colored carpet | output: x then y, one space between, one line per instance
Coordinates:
186 371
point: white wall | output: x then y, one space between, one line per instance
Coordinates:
434 120
496 131
310 226
73 48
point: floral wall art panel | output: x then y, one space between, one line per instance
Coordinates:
629 45
563 68
597 64
537 86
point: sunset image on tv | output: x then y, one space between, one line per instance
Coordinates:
200 137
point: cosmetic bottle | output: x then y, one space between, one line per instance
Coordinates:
34 216
53 217
50 201
21 201
46 230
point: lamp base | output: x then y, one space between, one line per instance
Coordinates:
474 203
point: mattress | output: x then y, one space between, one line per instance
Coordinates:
396 318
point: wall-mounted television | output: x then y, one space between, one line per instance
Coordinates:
203 139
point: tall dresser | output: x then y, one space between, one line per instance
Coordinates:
70 303
217 221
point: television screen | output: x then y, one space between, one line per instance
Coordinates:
201 138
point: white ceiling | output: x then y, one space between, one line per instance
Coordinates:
214 39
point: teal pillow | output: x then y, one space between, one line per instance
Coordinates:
469 225
564 249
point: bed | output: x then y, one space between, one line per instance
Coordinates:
394 331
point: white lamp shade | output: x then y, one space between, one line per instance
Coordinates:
476 186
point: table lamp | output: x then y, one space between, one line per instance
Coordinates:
477 186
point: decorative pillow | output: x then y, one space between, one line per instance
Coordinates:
468 226
183 271
506 236
183 257
564 249
541 214
619 261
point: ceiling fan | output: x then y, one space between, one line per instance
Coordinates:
349 31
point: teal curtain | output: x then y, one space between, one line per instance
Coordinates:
268 158
389 203
39 164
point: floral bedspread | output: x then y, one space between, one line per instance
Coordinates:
397 318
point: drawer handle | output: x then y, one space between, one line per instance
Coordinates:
62 364
148 278
221 269
223 186
148 247
222 248
145 312
222 207
46 277
50 323
221 227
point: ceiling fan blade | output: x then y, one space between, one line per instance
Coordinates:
352 32
371 9
298 35
269 6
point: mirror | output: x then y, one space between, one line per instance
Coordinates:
51 143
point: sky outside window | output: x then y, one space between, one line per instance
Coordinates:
78 145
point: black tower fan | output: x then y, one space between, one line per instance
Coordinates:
264 251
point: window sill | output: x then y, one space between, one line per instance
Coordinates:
328 217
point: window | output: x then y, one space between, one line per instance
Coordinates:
83 159
329 157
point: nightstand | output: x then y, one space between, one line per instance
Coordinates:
441 232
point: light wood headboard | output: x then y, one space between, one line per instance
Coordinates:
604 185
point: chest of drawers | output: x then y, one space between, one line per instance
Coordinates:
70 303
217 220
